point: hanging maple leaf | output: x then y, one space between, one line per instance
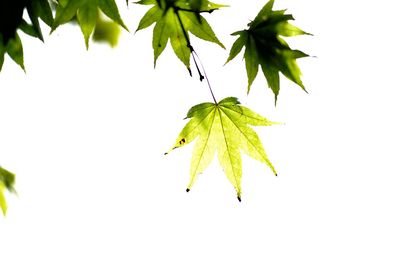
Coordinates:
86 12
6 183
266 48
174 19
223 128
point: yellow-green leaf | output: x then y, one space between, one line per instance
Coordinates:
87 17
223 128
3 203
7 180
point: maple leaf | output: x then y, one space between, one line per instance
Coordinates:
11 19
14 49
6 183
223 128
173 20
86 12
265 47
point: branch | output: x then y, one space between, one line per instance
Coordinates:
193 52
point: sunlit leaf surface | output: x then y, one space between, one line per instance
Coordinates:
223 128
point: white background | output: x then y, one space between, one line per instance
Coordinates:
85 132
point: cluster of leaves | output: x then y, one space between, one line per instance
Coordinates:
221 128
7 180
87 13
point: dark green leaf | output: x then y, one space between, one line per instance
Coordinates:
2 52
265 47
44 10
251 58
263 15
15 51
28 29
34 17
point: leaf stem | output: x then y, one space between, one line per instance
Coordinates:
202 72
196 11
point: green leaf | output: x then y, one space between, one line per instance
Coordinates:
29 29
87 17
43 9
15 51
7 180
263 15
237 46
224 129
66 11
200 28
265 47
1 57
111 10
86 12
106 31
152 15
174 19
251 59
161 34
34 17
178 40
3 203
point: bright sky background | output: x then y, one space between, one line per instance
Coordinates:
85 132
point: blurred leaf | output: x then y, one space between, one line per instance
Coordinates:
3 203
7 180
265 48
223 128
106 31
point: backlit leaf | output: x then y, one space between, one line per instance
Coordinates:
174 19
86 12
223 128
87 17
265 47
3 203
